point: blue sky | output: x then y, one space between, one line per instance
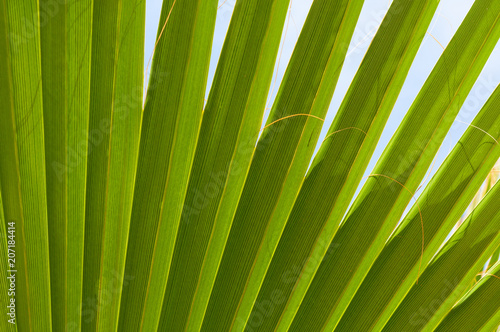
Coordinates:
450 14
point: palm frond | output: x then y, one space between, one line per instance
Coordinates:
163 211
475 312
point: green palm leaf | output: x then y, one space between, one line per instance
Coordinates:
168 212
65 54
341 160
437 210
475 311
171 120
114 124
451 270
496 256
229 130
281 157
397 175
22 161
